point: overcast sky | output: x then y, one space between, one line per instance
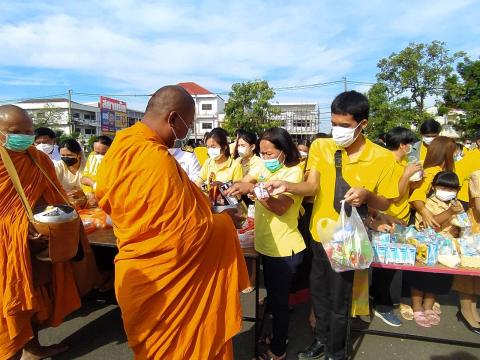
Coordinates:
135 47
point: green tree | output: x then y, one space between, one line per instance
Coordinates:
248 107
50 116
417 72
463 93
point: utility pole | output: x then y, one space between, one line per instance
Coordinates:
70 124
344 83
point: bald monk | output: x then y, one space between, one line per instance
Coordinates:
180 268
35 294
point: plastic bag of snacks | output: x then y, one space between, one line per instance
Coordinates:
94 219
246 235
349 247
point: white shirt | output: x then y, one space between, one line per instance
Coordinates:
55 154
69 181
188 161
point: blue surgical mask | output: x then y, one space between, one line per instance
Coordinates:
273 165
18 142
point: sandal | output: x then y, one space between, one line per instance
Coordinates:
421 319
437 309
406 311
432 317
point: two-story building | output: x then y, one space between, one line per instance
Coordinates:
54 113
301 120
209 109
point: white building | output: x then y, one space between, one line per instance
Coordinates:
447 121
301 120
209 109
53 113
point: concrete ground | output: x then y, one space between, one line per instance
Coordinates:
95 332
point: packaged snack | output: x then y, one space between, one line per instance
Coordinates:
379 250
381 237
349 247
461 220
391 255
411 255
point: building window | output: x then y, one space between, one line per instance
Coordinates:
207 126
86 116
206 106
76 115
301 123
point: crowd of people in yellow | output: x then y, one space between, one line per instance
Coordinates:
180 270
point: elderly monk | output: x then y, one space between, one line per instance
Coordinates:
35 294
180 268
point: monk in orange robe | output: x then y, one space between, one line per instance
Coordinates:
180 268
35 294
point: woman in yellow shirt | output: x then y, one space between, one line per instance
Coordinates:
277 237
245 151
219 167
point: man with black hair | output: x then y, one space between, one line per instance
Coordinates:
465 167
399 141
100 147
45 142
349 168
429 130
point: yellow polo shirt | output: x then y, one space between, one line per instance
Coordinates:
423 151
229 170
90 171
252 163
401 208
373 169
275 235
201 153
464 169
420 193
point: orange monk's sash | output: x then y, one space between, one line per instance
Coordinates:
179 269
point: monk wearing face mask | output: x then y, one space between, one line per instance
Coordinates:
179 269
35 294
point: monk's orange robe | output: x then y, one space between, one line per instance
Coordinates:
179 269
23 299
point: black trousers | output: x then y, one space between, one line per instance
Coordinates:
331 294
279 273
380 289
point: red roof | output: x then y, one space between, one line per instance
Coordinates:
194 88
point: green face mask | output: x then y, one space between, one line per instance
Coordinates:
18 142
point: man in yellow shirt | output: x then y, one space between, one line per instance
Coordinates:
429 130
89 175
369 171
465 167
399 140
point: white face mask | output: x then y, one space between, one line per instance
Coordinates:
344 137
303 154
445 195
427 140
243 151
187 135
99 157
45 148
214 153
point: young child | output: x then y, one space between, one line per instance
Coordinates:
441 202
425 286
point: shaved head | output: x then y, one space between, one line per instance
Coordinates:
14 120
170 113
169 98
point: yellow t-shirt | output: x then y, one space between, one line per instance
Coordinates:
464 169
400 209
373 169
90 171
420 193
229 170
201 153
253 162
278 236
423 151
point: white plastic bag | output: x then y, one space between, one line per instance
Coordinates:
349 248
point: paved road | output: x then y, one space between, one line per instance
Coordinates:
95 332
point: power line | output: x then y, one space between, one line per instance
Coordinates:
33 98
